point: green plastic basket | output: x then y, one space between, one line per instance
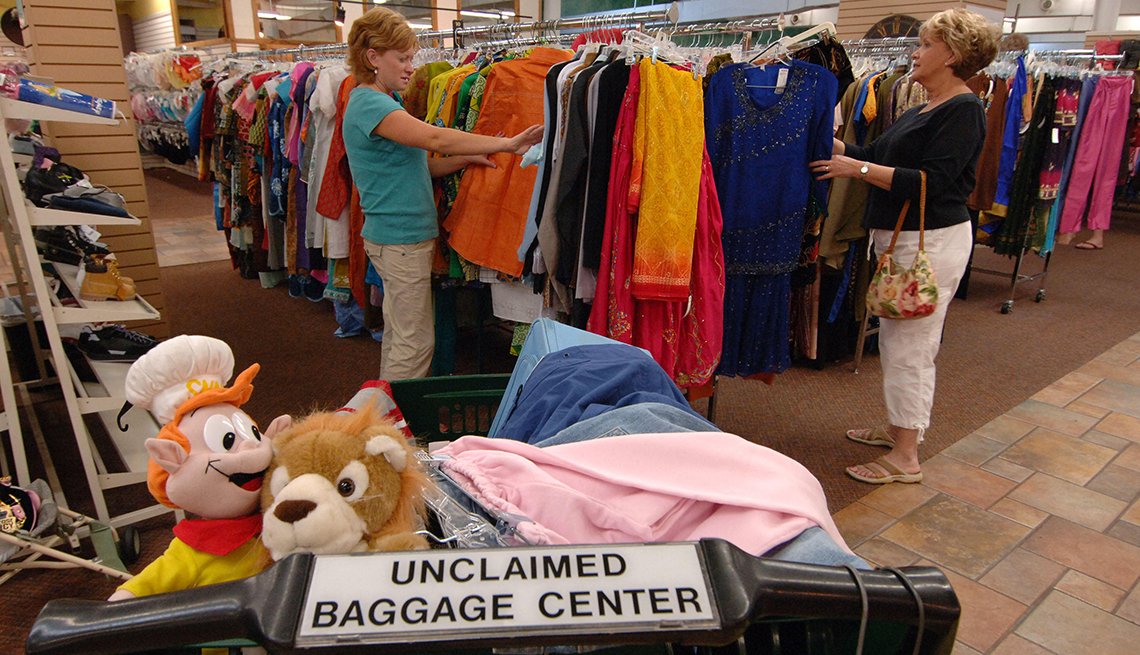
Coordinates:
446 408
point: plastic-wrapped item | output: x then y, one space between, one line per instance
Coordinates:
49 95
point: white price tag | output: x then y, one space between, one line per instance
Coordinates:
437 595
1056 135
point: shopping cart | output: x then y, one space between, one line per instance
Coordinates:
704 597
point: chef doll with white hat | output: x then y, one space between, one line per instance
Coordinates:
208 459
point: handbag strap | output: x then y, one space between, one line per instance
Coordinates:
921 217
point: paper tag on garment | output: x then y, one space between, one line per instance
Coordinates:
1056 135
781 80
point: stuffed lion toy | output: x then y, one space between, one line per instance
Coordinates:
342 483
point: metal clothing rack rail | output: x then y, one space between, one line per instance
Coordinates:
459 33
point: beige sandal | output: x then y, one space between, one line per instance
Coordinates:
891 472
877 436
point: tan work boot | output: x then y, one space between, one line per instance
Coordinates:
102 281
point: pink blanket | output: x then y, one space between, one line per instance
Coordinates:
645 488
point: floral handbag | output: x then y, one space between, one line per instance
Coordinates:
910 293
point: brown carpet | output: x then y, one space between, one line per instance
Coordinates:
989 363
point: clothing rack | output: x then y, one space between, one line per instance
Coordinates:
1016 277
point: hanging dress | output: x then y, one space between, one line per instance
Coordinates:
760 143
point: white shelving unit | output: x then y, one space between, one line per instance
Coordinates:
105 397
10 417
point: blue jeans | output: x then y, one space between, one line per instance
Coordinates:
642 418
814 546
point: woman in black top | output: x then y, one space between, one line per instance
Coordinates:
942 138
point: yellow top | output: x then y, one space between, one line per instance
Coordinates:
182 567
668 146
438 89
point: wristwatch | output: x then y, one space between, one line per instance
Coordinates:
864 170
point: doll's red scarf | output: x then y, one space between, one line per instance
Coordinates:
218 536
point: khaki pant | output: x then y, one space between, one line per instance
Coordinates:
409 321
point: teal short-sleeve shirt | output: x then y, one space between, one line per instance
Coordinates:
393 179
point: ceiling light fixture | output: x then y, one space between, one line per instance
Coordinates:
487 14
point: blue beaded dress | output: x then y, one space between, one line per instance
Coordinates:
760 143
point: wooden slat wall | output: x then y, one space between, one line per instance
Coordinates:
856 16
89 59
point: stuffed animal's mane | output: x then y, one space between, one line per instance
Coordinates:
368 422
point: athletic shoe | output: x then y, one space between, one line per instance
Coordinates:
114 343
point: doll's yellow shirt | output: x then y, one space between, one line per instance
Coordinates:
182 567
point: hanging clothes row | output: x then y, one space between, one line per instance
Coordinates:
164 86
659 214
1056 127
624 226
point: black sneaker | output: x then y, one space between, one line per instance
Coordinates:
63 244
114 343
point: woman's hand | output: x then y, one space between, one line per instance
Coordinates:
522 141
837 166
478 160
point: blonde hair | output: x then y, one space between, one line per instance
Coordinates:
378 29
972 39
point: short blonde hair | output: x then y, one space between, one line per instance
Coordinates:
972 39
378 29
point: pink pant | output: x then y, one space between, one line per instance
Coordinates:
1097 160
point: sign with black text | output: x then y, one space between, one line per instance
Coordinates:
430 595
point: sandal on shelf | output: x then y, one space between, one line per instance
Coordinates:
878 436
891 472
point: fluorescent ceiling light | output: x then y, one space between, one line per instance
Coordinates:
269 15
487 14
419 26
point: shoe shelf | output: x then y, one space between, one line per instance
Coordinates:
43 216
98 311
30 111
104 398
107 463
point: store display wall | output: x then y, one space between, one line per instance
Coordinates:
89 59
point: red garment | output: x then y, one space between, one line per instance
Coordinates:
336 185
684 337
218 536
610 35
612 312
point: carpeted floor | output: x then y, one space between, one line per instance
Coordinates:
989 363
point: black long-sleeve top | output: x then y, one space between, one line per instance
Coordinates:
945 142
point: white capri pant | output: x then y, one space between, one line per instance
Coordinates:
907 348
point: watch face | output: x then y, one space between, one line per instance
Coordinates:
894 26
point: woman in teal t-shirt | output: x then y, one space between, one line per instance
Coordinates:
387 152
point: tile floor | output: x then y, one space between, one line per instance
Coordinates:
1035 518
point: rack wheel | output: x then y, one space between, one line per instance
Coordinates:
1040 295
130 545
1007 307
